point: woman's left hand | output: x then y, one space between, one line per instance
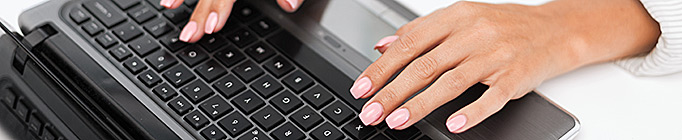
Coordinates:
511 48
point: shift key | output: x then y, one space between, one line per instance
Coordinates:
104 12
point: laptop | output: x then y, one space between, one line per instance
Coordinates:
114 69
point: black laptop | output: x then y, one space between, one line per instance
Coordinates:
114 69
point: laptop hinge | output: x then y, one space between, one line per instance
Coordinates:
31 41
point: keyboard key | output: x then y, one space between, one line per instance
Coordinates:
149 78
92 28
127 31
210 70
212 42
120 52
317 96
255 135
380 137
78 16
180 105
425 137
286 102
213 133
216 107
156 4
229 56
407 133
161 60
135 65
298 81
158 27
164 92
266 86
260 52
142 13
172 42
125 4
338 113
229 86
242 37
267 118
197 91
248 102
278 66
287 132
358 130
144 45
193 55
247 71
327 132
178 75
306 118
235 124
356 104
264 26
244 12
191 3
106 40
196 119
104 12
177 15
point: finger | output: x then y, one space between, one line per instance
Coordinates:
382 45
406 48
194 29
413 78
488 104
171 4
220 11
290 5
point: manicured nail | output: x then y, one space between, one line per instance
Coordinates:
456 123
293 3
385 41
188 31
361 87
371 113
398 118
167 3
211 23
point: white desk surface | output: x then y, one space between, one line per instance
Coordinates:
609 102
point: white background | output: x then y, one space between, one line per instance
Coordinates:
609 102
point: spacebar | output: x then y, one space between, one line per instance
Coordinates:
314 64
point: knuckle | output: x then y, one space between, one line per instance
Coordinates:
455 80
377 69
387 96
420 104
424 67
406 44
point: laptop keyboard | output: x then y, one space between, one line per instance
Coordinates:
231 84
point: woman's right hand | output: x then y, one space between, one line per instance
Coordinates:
210 16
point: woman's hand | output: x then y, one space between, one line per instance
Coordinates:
210 16
511 48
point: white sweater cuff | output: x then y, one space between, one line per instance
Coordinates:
666 57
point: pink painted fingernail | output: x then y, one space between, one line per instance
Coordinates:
188 31
456 123
361 87
385 41
398 118
167 3
371 113
211 22
293 3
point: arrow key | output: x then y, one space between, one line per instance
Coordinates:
215 107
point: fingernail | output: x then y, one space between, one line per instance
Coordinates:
398 118
293 3
456 123
371 113
385 41
188 31
211 22
167 3
361 87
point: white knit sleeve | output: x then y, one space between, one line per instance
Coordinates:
666 57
